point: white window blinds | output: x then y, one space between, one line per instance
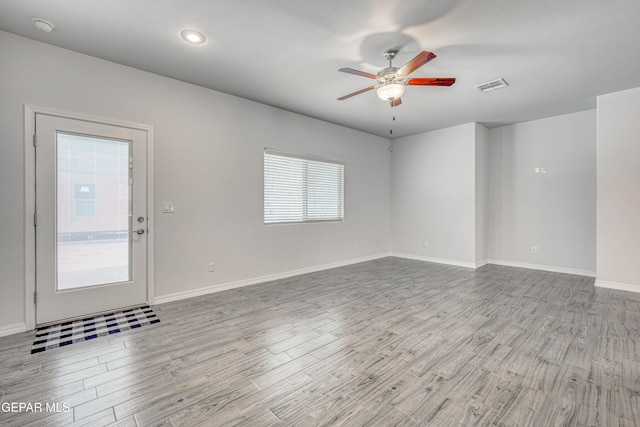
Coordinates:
299 189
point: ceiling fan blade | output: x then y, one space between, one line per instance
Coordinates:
358 73
417 62
431 81
395 102
342 98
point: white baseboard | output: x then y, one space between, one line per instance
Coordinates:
435 260
163 299
619 286
12 329
542 267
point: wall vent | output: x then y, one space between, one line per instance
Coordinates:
492 85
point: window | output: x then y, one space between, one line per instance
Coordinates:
302 189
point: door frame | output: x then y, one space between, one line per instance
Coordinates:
30 112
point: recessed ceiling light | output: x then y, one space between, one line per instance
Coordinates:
193 37
43 25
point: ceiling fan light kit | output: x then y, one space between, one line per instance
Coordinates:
392 80
390 91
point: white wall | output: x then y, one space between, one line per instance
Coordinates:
618 250
554 211
208 162
433 195
482 193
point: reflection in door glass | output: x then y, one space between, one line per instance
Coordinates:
92 206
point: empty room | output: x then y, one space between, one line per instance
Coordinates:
297 213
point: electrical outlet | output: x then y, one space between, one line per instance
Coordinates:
535 249
357 245
211 267
425 244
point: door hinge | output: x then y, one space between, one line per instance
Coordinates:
35 297
35 219
35 140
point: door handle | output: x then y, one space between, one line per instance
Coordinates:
140 231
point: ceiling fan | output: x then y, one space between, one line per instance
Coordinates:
392 80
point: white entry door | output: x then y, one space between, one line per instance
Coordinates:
91 217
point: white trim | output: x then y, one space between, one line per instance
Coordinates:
12 329
256 280
482 263
30 205
542 267
29 210
629 287
435 260
262 279
151 225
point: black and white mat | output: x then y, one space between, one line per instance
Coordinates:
67 333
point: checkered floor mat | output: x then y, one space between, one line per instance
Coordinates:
67 333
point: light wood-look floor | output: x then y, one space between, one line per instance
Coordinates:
382 343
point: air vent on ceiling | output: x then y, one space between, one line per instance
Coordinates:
492 85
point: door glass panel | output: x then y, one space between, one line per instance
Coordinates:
93 205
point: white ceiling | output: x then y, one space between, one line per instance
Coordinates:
556 55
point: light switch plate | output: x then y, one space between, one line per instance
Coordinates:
167 207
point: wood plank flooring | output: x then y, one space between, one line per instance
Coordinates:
391 342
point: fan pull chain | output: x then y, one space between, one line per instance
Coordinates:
393 119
